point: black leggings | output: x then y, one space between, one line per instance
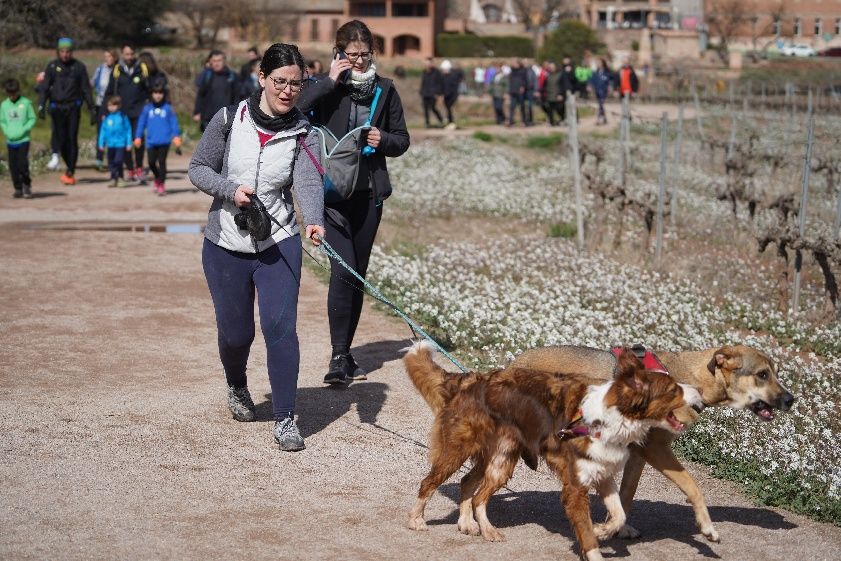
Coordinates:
157 161
449 101
351 227
135 160
429 105
66 122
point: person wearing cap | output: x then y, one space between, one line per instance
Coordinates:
130 81
451 79
66 86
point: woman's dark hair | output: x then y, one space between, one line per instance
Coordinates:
279 55
353 30
146 58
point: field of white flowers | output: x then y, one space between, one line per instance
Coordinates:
491 299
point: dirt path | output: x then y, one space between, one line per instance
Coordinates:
116 442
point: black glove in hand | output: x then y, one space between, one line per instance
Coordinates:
178 150
42 113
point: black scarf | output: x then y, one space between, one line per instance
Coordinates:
275 124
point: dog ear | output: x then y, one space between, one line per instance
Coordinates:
631 370
725 358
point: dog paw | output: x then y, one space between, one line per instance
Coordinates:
417 524
493 535
711 534
627 532
605 531
469 527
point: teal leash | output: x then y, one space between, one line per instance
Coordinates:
331 253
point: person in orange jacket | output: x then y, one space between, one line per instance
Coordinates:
159 124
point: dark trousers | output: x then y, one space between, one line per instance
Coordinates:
429 105
19 167
116 156
449 101
135 159
157 161
99 118
66 121
499 110
517 100
602 117
555 111
351 227
274 274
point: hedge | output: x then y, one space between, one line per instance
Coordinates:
458 45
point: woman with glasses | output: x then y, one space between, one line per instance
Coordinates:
250 151
341 101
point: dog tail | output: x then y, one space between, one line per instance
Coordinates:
427 376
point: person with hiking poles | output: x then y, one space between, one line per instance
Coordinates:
341 101
249 161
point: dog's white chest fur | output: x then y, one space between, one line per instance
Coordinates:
607 452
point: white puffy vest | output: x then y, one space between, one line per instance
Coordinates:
269 169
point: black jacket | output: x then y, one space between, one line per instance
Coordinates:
431 83
517 80
65 83
215 91
450 82
132 85
328 104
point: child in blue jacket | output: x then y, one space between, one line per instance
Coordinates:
160 125
115 137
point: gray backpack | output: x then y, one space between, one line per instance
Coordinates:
340 156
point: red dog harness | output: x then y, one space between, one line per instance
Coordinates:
648 358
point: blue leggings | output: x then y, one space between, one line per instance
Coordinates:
276 274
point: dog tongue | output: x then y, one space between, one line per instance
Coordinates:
766 413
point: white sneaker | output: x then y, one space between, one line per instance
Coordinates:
52 165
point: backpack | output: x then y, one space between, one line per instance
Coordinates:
339 167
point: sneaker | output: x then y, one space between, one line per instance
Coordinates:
241 405
99 165
354 372
18 194
337 371
67 179
160 189
287 435
52 165
138 174
27 192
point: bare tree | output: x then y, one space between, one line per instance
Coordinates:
762 25
726 20
539 13
206 18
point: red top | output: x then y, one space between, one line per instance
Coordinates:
264 137
625 81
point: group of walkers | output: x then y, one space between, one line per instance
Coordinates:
250 159
445 83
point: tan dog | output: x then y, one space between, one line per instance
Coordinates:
581 426
739 376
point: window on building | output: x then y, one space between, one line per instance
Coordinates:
798 27
334 26
368 9
294 31
314 29
778 26
409 10
818 27
493 14
838 26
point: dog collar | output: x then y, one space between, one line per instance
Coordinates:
577 427
649 360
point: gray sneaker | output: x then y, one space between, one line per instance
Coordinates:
240 404
354 372
287 435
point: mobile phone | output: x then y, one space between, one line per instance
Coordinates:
344 76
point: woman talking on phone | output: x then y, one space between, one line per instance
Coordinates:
341 101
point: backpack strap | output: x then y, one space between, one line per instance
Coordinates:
316 163
229 113
376 99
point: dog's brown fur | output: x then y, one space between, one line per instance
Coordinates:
496 417
736 376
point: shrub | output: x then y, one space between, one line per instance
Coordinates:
483 136
458 45
571 39
562 230
547 142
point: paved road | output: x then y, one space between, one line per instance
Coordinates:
116 442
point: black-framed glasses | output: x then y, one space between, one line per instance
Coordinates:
363 55
281 84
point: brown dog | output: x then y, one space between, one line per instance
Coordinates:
739 376
581 426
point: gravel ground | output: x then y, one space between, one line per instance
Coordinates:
116 441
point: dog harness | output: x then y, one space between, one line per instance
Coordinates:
649 359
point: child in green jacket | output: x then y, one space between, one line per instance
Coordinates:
16 120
